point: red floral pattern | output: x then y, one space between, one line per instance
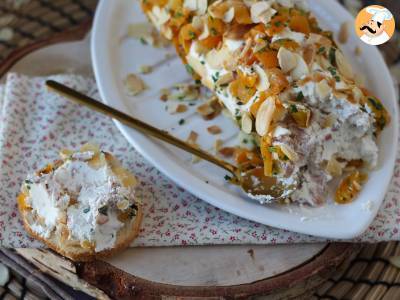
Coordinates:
34 124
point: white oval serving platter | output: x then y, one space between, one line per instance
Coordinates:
114 57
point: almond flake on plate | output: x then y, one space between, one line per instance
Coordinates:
134 84
227 151
214 129
145 69
343 35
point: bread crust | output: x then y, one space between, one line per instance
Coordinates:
132 229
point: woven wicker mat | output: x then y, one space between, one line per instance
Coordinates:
22 22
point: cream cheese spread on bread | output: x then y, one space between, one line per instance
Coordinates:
89 195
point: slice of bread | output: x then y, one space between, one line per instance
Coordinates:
60 239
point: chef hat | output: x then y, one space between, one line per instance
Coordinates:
379 14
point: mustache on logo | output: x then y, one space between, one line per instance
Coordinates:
368 28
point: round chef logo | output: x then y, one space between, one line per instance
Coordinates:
375 25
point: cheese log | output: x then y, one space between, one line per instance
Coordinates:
285 81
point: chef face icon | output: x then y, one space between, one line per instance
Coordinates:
375 25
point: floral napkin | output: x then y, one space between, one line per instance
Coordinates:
35 124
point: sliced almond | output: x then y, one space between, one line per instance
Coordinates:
334 167
216 58
341 86
159 16
205 33
145 69
236 32
343 66
123 204
289 152
66 153
181 108
205 110
287 60
257 9
264 116
357 94
261 44
190 5
192 138
202 6
225 79
227 151
217 9
315 38
263 80
140 30
197 66
229 15
267 15
214 129
134 84
281 131
301 68
210 109
167 32
309 54
246 123
218 144
323 89
197 22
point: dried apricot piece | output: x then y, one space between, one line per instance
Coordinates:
350 187
268 58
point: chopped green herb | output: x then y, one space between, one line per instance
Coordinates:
192 35
143 41
28 181
300 96
227 178
192 104
332 70
181 121
381 122
337 78
213 31
375 103
332 56
272 149
285 158
245 141
197 81
239 103
86 210
278 23
103 210
189 69
321 50
178 14
202 62
293 108
215 77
